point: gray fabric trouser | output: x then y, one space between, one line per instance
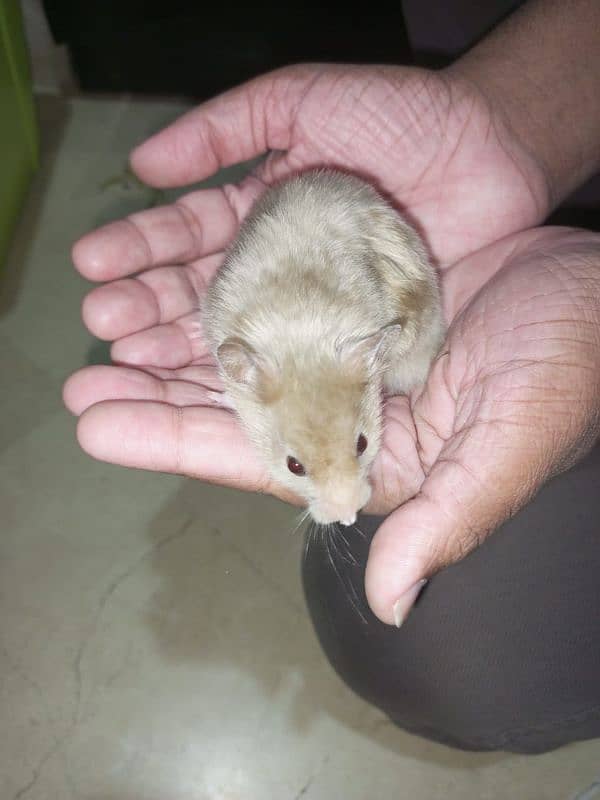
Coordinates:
502 651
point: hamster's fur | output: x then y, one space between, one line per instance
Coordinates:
326 297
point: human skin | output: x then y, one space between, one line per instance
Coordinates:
513 398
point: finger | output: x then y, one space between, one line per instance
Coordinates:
236 126
463 499
198 224
204 443
158 296
279 165
176 344
397 473
129 305
187 387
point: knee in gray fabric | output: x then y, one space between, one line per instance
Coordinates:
462 670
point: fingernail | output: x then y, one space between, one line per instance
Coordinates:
405 602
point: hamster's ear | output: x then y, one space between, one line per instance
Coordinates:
242 364
369 351
238 360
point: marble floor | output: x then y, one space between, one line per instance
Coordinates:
154 643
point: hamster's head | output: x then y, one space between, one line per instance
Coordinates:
316 420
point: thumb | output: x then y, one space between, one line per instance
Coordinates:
235 126
453 513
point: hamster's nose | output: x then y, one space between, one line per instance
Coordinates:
349 520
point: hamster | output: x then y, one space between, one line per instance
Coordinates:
326 298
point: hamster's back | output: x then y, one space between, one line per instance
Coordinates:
300 254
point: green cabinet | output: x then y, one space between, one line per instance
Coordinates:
18 123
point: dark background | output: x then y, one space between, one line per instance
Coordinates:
187 48
198 49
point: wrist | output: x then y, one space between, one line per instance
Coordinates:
469 92
529 142
538 72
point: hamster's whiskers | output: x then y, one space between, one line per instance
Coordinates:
328 534
301 520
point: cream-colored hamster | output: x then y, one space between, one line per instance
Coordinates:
326 297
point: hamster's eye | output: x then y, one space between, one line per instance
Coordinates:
295 466
361 444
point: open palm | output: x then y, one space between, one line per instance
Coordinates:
498 415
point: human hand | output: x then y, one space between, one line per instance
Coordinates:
430 140
160 417
431 143
513 400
